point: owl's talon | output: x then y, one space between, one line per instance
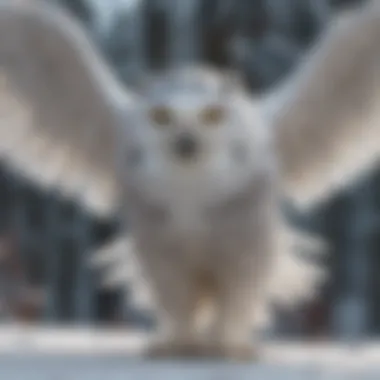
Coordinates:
242 353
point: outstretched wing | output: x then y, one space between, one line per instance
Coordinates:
327 118
60 105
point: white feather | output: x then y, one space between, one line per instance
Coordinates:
60 106
326 117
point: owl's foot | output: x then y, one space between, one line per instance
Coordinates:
241 353
196 350
163 350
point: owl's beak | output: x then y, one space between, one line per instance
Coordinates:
186 146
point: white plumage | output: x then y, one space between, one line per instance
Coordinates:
197 163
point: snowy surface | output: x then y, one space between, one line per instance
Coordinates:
71 354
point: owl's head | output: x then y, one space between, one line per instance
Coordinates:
194 128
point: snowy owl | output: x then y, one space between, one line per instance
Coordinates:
198 166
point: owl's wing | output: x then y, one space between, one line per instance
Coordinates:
326 118
60 105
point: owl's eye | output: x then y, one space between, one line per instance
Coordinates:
212 116
161 116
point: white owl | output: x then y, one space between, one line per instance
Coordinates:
197 164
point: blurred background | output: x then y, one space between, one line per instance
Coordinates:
45 241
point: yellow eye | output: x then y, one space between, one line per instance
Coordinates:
161 116
212 115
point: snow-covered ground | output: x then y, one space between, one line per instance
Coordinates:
71 354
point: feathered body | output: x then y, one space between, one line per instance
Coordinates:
208 221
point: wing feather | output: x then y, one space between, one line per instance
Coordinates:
60 105
327 117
